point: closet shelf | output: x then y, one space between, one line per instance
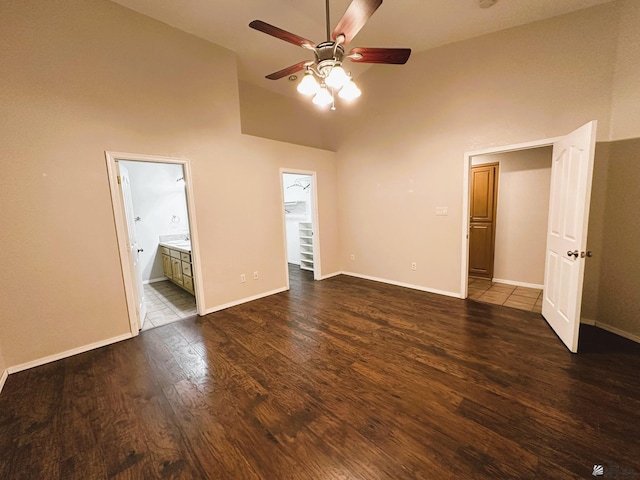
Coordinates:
305 231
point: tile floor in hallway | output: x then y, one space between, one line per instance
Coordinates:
167 303
523 298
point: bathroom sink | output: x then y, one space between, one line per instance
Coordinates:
179 244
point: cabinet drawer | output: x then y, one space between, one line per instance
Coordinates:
186 269
187 283
185 257
175 253
164 250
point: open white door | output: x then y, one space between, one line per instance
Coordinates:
134 249
571 175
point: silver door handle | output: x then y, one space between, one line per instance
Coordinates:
575 253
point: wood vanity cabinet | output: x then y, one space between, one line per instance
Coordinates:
177 267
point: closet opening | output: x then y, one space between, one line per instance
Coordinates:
300 221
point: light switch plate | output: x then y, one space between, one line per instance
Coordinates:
442 211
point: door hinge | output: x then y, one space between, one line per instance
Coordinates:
118 179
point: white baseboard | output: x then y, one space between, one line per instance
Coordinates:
329 275
587 321
154 280
518 284
68 353
3 378
244 300
405 285
617 331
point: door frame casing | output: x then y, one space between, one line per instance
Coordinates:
466 178
121 228
314 218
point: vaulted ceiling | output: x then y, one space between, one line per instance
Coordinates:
417 24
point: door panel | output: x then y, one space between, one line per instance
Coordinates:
483 193
480 246
571 175
134 251
483 197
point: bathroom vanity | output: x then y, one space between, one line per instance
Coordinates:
176 263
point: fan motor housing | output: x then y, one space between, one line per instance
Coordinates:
328 54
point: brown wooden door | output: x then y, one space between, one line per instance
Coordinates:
482 227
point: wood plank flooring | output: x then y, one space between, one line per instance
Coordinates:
339 379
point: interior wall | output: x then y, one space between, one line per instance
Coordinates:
84 76
524 181
3 364
619 285
596 232
625 121
531 82
290 119
159 201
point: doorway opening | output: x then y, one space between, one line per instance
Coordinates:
300 215
509 209
567 227
508 158
155 226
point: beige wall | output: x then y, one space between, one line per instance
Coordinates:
619 285
290 119
523 209
3 363
591 286
625 122
84 76
405 157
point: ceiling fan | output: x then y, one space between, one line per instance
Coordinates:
325 75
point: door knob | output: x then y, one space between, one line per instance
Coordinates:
575 253
589 254
140 250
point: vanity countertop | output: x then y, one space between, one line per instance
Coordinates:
182 245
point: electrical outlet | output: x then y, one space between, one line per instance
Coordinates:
442 211
414 266
353 257
243 278
255 275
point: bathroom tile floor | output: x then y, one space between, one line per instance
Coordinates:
523 298
167 303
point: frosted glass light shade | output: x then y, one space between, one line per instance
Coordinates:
323 97
337 77
308 85
350 91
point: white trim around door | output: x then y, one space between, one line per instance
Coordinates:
317 275
121 228
464 274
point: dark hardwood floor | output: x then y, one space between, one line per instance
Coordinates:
339 379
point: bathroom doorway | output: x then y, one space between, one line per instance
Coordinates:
157 237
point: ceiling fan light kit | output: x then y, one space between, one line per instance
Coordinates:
325 76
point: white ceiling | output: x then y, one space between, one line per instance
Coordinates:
417 24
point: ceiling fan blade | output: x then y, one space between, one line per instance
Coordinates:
285 72
396 56
357 14
281 34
